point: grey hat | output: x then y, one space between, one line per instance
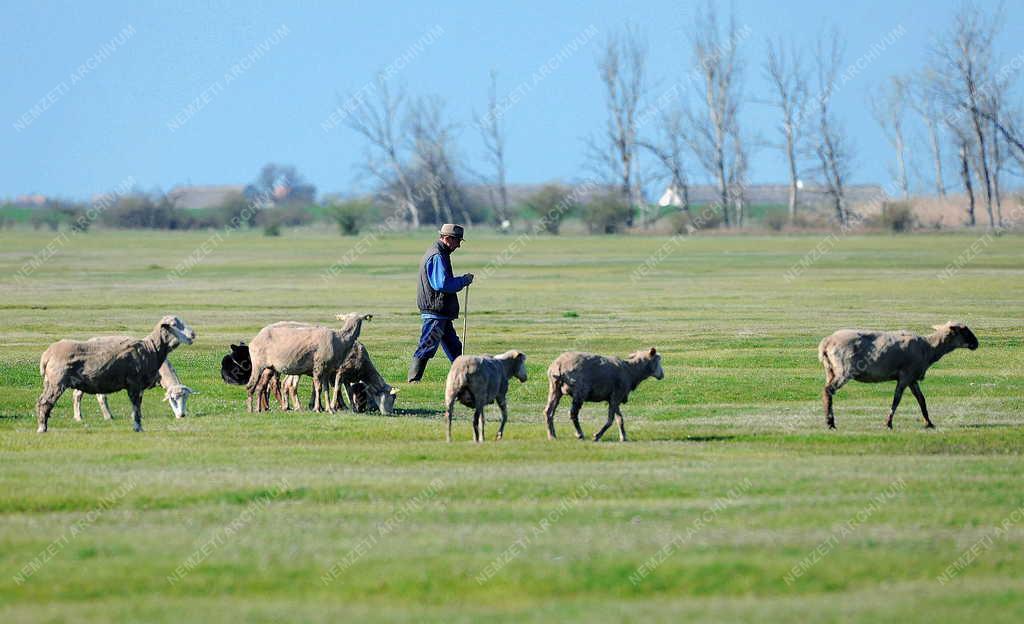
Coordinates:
452 229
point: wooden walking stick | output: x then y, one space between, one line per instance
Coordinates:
465 321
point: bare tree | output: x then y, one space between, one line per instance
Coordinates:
923 101
712 130
493 134
669 150
889 107
377 122
786 73
433 152
738 176
962 62
623 71
831 145
962 138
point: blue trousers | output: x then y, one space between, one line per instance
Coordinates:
438 332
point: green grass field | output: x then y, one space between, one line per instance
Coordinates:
732 502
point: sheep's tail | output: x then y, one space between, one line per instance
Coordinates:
42 363
456 380
824 358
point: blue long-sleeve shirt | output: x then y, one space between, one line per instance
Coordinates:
442 280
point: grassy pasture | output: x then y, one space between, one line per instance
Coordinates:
730 484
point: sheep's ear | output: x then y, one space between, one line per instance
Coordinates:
394 391
367 317
654 352
166 398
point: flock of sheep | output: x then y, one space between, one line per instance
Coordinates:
337 362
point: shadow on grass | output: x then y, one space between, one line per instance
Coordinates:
418 412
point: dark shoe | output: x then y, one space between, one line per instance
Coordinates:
416 369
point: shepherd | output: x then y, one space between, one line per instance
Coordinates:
438 300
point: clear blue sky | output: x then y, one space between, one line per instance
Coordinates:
112 123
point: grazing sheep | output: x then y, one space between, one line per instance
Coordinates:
477 381
176 394
594 378
873 356
107 365
296 349
236 366
357 367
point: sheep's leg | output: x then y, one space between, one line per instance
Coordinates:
503 406
449 409
611 417
900 387
620 421
476 427
135 394
826 398
574 416
51 393
336 401
102 400
554 396
317 389
76 404
275 387
916 389
480 410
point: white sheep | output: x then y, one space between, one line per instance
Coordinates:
298 349
477 381
107 365
875 356
595 378
175 394
357 367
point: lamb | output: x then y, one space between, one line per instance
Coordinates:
357 368
108 364
594 378
477 381
176 394
873 357
297 349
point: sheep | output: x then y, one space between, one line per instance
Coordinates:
594 378
106 365
296 349
874 356
176 394
477 381
357 367
236 366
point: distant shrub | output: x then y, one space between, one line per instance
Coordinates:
898 216
699 218
776 221
607 214
272 229
142 211
350 215
549 206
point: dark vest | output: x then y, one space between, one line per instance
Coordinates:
435 301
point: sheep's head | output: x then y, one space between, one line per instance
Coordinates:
520 368
958 334
352 322
653 360
177 398
178 330
386 401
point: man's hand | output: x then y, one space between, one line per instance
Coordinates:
469 278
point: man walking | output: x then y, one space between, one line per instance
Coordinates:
438 302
